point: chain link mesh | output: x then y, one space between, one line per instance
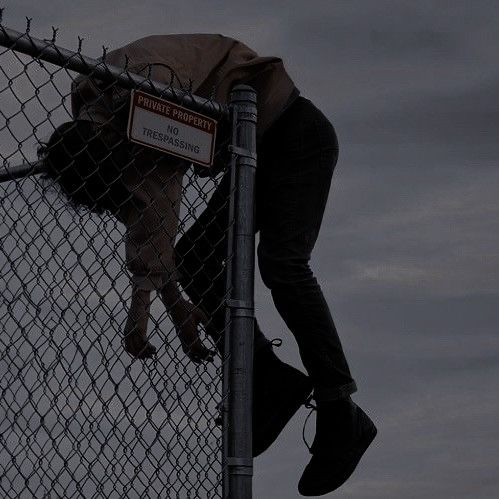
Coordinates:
79 416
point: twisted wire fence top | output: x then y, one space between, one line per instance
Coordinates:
79 417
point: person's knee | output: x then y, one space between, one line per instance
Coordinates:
276 272
198 264
188 250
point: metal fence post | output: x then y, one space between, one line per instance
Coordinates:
240 338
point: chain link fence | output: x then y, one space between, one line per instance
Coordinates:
79 416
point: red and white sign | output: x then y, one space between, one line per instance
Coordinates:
163 125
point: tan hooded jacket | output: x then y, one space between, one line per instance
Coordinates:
209 61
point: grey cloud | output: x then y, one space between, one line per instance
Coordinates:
466 119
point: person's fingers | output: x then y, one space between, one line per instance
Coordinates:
194 358
197 352
192 345
205 353
141 350
198 360
149 351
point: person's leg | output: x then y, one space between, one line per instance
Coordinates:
151 217
200 258
294 176
296 167
278 388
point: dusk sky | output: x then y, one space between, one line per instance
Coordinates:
408 254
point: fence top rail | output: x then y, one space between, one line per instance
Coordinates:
48 51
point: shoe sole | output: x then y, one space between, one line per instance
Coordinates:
357 452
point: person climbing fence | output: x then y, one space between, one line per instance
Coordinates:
297 150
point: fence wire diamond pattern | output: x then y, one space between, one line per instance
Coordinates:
78 416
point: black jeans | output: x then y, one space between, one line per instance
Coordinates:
296 159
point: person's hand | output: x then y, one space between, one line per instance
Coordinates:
186 318
137 346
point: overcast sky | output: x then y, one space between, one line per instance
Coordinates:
408 253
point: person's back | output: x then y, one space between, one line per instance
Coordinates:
207 65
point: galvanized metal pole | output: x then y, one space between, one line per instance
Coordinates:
239 458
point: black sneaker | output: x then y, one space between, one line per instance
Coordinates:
278 392
338 447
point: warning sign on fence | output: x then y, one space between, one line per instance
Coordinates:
163 125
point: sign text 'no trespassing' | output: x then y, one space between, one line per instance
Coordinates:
163 125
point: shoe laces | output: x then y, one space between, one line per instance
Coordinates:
277 342
308 404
